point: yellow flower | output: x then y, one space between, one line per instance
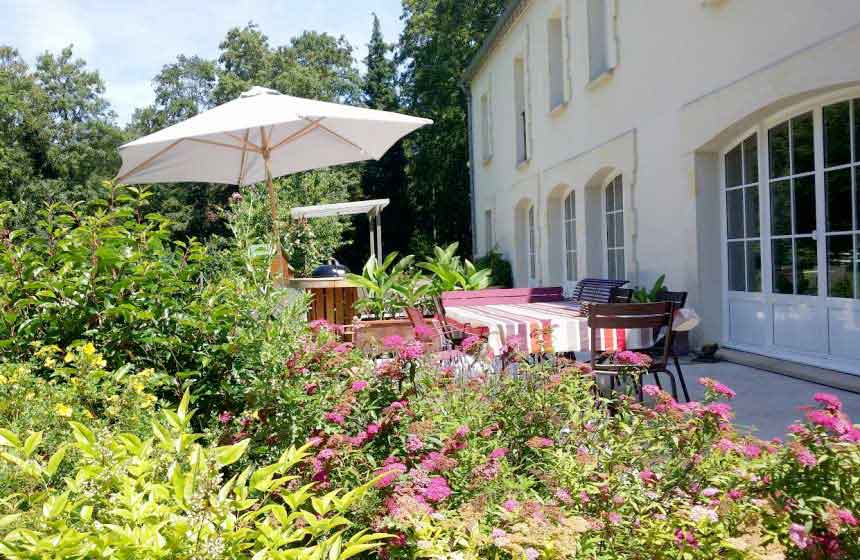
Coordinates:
69 357
74 380
137 386
3 380
147 373
88 414
89 349
50 362
30 395
148 401
63 410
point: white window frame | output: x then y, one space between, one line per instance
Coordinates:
521 120
745 239
618 213
556 64
767 298
569 242
608 42
486 127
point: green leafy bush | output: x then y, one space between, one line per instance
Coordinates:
167 497
502 273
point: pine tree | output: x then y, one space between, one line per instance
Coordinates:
385 178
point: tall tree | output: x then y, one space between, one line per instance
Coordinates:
438 41
385 178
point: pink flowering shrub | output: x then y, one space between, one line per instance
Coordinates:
535 467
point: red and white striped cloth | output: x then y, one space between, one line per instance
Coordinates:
545 327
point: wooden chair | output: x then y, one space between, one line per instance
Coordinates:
632 316
595 290
448 336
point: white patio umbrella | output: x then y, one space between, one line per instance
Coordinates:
261 135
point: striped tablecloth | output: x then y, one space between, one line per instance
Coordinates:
545 327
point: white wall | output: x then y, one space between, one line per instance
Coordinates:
689 74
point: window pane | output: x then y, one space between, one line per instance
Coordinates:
837 190
780 208
753 266
783 282
837 134
777 140
734 175
751 159
737 272
735 213
569 244
568 207
807 266
802 149
610 264
619 264
610 198
751 204
857 197
619 230
840 271
598 55
610 230
804 204
619 193
571 265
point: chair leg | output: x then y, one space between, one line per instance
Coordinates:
657 380
674 384
639 383
681 377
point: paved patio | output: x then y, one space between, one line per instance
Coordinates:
767 402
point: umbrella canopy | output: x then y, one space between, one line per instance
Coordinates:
258 136
230 143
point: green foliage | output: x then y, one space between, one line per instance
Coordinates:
502 273
439 39
450 273
382 280
166 496
644 295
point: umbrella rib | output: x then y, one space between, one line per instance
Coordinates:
296 135
244 140
344 139
222 144
145 163
244 153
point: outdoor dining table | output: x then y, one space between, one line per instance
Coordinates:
558 326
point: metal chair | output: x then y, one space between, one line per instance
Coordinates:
632 316
621 295
678 301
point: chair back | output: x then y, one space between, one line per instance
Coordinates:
621 295
631 316
461 298
679 299
416 317
595 290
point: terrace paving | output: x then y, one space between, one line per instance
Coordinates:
767 402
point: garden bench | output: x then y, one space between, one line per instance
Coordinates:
596 290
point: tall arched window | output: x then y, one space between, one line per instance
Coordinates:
570 273
614 203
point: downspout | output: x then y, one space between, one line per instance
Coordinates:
471 159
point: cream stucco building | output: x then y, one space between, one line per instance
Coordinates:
715 141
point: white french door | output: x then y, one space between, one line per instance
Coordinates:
791 235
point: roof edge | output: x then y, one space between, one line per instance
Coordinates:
496 33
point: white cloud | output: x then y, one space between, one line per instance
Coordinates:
128 41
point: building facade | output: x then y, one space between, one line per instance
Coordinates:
714 141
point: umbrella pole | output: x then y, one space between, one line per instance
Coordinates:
280 269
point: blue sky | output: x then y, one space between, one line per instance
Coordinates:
129 41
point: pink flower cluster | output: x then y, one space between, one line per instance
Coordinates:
629 357
717 388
